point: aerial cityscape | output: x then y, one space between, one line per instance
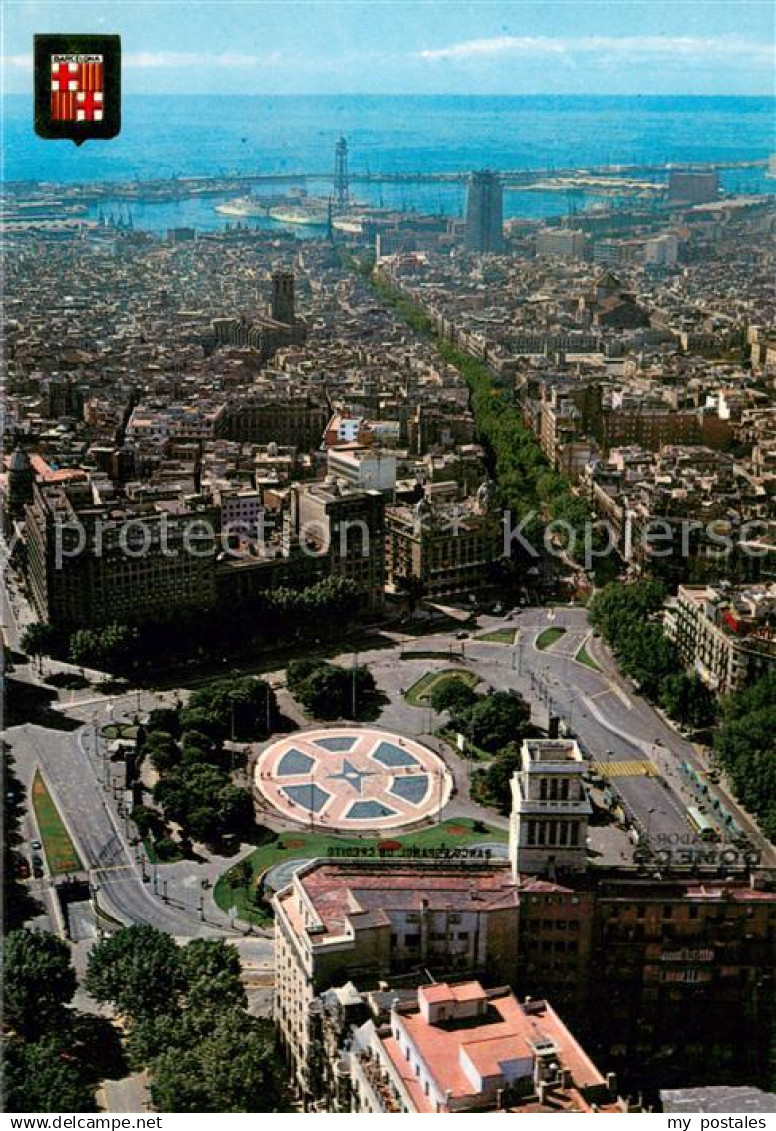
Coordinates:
389 531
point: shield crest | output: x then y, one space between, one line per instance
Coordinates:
77 86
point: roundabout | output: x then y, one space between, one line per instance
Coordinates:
352 779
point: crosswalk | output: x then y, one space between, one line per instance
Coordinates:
633 769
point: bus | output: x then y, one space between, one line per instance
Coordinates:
701 823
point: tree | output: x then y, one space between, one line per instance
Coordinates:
201 798
164 719
298 672
242 709
18 904
138 970
493 786
454 695
211 969
162 749
44 1076
496 720
39 981
231 1064
331 692
687 699
38 639
745 743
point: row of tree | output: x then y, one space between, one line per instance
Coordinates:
273 616
526 482
628 617
185 1014
490 722
745 743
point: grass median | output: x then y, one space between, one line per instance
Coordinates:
61 855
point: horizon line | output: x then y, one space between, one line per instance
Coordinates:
421 94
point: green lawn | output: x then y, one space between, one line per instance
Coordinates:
61 855
293 845
119 730
499 636
419 695
584 657
549 636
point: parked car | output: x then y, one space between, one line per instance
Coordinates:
36 845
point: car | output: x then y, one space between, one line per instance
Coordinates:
37 861
36 845
462 636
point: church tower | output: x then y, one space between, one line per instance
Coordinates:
550 808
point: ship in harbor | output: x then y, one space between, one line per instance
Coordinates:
300 209
296 208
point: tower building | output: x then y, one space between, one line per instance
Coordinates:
484 213
550 808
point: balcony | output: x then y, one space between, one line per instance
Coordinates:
380 1083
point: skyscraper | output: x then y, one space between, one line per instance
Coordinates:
484 213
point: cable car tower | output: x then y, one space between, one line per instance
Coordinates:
341 189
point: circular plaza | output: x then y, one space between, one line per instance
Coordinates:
352 779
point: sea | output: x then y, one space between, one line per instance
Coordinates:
168 136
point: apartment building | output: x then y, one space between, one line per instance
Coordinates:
446 541
346 526
367 920
454 1048
727 634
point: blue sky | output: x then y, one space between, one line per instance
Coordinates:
419 47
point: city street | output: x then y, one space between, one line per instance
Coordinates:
612 723
116 873
631 745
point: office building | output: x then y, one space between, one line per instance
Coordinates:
484 227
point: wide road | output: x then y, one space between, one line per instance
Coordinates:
76 790
616 727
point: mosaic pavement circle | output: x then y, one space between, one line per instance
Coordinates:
352 779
